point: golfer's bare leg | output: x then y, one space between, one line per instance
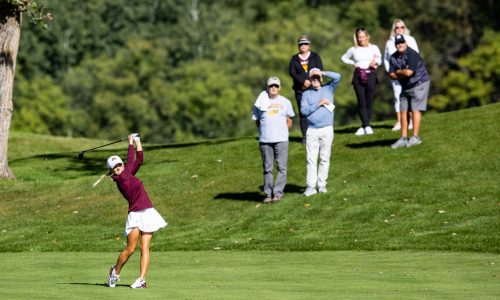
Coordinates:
145 257
132 240
417 119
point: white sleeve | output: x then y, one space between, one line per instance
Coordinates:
378 54
412 43
347 57
387 54
290 113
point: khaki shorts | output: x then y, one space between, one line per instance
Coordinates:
415 98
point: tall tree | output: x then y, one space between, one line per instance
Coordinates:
10 32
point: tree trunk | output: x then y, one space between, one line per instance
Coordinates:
10 31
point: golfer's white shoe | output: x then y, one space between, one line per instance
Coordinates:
113 278
139 283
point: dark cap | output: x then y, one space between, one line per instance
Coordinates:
399 39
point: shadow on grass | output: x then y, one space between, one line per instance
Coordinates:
257 196
352 129
380 143
95 161
94 284
243 196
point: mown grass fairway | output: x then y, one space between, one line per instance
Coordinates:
417 223
257 275
441 195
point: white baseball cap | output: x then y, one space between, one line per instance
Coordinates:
113 161
273 80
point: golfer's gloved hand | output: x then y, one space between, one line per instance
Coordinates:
136 137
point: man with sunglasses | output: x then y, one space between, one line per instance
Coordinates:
299 67
273 114
407 66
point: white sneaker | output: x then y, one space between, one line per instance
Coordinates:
361 131
397 127
113 278
413 141
322 190
402 142
139 283
310 191
410 126
368 130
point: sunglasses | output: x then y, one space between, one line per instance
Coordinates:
273 85
400 27
300 45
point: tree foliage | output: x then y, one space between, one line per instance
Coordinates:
178 70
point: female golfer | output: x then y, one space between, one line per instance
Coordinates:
142 218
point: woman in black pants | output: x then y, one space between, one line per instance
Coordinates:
365 58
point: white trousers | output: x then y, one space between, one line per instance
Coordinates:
318 141
397 89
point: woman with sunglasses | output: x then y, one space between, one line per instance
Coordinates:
398 27
365 58
142 220
300 65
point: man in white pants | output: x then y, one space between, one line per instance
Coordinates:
317 105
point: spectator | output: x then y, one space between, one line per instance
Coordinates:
300 64
398 27
272 114
408 67
317 105
365 58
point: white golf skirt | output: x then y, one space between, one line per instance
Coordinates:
147 220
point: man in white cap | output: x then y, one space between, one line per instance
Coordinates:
273 114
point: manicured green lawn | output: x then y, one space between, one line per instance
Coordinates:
256 275
441 195
418 223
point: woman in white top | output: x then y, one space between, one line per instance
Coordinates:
365 58
398 27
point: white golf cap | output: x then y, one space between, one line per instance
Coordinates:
273 80
113 161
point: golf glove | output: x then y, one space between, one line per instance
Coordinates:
136 137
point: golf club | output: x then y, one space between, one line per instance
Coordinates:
80 155
100 179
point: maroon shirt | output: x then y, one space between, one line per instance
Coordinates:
130 186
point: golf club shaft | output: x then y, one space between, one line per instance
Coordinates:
104 145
